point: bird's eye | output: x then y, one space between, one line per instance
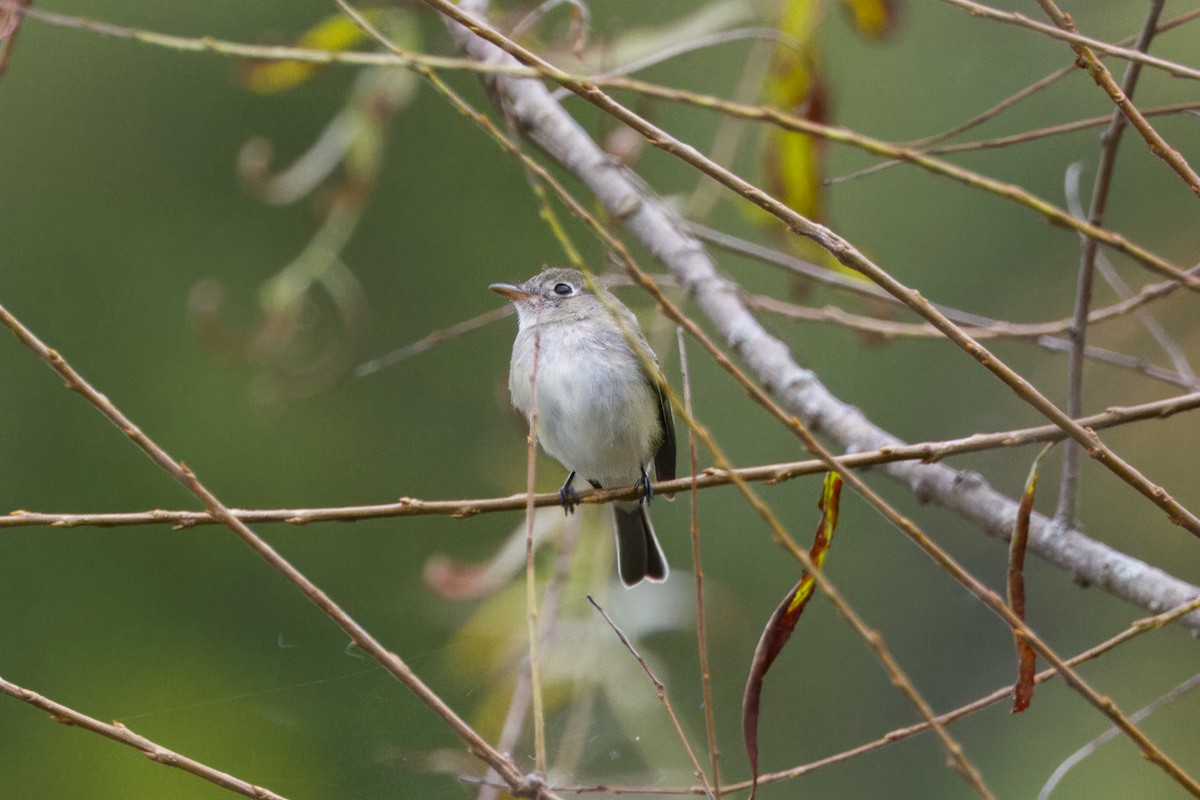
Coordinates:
563 289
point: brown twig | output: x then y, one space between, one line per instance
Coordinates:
1120 97
531 612
711 477
1016 138
1033 88
521 784
434 338
851 257
420 61
710 720
660 690
976 324
899 734
152 750
1110 141
1073 38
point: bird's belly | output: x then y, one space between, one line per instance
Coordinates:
597 421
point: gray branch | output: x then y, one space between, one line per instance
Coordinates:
540 117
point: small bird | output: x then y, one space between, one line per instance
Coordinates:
598 411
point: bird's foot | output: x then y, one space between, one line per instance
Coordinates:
643 483
567 495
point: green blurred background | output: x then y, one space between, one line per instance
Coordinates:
118 194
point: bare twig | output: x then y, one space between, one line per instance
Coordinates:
152 750
710 720
1095 744
1110 141
998 695
520 784
531 611
848 255
1023 137
1120 97
433 339
927 452
1012 18
659 690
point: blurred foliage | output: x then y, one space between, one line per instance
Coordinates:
123 214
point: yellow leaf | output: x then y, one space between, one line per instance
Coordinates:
336 33
874 18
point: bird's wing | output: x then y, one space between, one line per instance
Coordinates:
664 459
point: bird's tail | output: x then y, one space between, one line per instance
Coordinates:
639 555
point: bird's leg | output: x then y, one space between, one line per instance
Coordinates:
567 496
643 483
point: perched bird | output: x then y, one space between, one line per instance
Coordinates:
598 411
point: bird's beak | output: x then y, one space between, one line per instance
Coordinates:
510 291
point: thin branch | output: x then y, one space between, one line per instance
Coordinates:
999 695
1120 97
433 339
851 257
1095 744
660 690
925 144
848 255
153 751
788 122
1110 142
1055 130
1020 20
1023 137
531 606
978 325
1033 88
708 478
521 785
710 720
591 91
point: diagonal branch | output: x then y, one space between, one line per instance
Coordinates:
1110 142
1013 18
1120 94
662 232
632 202
963 492
521 785
153 751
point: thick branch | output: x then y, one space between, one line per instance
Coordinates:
627 199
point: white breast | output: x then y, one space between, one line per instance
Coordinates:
597 413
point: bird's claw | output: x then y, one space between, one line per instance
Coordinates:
643 483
